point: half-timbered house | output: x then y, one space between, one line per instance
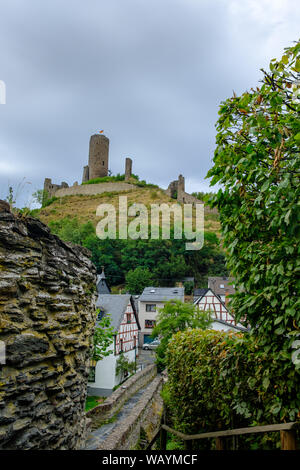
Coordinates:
208 300
124 320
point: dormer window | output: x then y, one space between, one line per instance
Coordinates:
222 286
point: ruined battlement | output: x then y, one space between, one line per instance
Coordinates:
98 167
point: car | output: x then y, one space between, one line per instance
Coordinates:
152 345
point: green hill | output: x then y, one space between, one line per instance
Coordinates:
74 219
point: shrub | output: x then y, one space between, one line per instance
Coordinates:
106 179
223 380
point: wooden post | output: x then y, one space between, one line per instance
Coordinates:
288 440
163 439
220 443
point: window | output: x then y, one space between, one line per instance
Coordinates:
128 317
121 345
150 323
222 286
150 308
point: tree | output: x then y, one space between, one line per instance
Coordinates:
176 316
138 279
103 338
124 366
257 163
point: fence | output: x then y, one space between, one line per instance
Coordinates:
287 435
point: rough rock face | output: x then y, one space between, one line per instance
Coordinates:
47 317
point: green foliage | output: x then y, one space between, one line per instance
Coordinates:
257 163
220 380
92 401
173 317
10 197
138 279
103 338
188 287
124 367
167 260
106 179
72 230
42 197
202 196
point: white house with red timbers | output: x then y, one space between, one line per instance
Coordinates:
208 300
125 322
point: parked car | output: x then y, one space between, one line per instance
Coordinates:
152 345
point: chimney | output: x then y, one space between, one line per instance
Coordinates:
227 299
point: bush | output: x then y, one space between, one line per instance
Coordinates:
106 179
223 380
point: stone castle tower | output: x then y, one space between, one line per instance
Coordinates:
98 158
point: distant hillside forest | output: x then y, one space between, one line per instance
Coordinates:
167 260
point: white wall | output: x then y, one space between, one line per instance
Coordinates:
105 376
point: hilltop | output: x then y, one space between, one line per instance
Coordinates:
83 207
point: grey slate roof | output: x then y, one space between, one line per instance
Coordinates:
161 294
115 305
102 286
199 293
235 327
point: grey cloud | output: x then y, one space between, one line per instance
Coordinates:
151 74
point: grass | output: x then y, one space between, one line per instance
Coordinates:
83 207
92 401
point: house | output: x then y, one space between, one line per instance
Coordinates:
150 301
126 325
209 300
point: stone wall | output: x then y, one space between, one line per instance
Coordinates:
47 317
93 189
144 421
116 400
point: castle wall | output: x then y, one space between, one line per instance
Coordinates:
86 174
47 318
50 188
98 156
93 189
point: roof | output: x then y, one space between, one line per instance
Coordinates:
200 292
215 282
162 294
115 305
198 298
102 286
235 327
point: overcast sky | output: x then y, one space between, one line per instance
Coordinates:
151 73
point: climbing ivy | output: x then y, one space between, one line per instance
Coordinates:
257 163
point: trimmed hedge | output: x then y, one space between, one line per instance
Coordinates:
223 380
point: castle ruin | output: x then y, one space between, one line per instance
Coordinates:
97 167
